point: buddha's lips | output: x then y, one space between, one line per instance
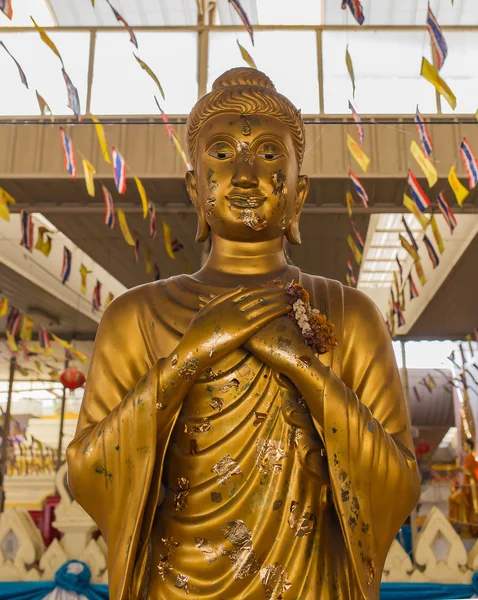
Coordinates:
246 201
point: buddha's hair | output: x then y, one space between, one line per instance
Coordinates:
247 92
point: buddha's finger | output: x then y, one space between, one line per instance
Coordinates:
263 313
256 291
225 296
257 299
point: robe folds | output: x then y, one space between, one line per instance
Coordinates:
261 500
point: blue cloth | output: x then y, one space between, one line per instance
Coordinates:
428 591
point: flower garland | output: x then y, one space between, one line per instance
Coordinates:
317 330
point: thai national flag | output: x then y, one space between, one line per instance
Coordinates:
469 160
431 252
359 188
176 245
358 235
6 8
73 96
244 18
358 123
418 195
70 163
66 267
356 9
96 300
425 138
132 37
413 287
440 48
446 212
153 225
400 268
109 208
14 320
350 271
27 230
119 170
43 338
21 72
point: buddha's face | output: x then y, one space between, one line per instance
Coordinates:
246 182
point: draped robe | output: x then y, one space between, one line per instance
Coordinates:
261 500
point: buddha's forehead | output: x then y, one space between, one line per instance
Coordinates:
245 127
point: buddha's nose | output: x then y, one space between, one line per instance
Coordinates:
244 176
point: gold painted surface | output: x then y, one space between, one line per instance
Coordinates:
219 461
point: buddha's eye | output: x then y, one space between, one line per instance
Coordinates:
221 151
270 152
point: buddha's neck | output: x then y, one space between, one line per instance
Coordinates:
243 262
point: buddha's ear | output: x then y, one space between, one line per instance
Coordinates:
203 227
292 231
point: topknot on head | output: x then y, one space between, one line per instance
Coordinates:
243 76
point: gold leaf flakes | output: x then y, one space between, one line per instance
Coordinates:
253 220
245 153
171 544
293 436
301 522
164 567
278 179
234 383
275 580
188 369
243 560
210 555
259 418
217 403
182 582
181 496
193 447
174 360
196 427
226 468
269 453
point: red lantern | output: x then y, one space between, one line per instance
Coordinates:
72 378
421 448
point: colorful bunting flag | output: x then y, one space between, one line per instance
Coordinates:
460 191
5 200
398 311
431 252
44 339
3 306
143 196
413 288
469 160
157 274
356 9
128 238
109 299
400 269
418 195
100 133
395 283
6 8
61 342
437 234
69 153
148 70
171 133
410 234
350 69
153 225
79 355
409 248
119 170
244 18
350 273
148 259
358 123
429 72
424 163
355 251
73 96
359 188
446 211
420 273
21 72
136 247
84 272
44 107
413 208
46 40
348 281
109 208
350 202
246 56
26 223
176 245
132 37
358 235
357 152
90 171
96 299
66 267
14 321
425 137
26 329
439 46
167 240
44 241
12 344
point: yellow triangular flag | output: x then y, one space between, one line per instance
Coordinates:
100 133
355 251
350 69
167 240
26 329
350 202
424 163
437 234
148 259
46 39
58 340
148 70
3 306
124 227
409 248
109 299
431 74
12 344
413 208
5 200
460 191
44 241
246 56
84 272
420 273
357 152
90 171
348 280
79 355
142 195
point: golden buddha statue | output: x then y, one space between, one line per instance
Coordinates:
463 503
218 454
